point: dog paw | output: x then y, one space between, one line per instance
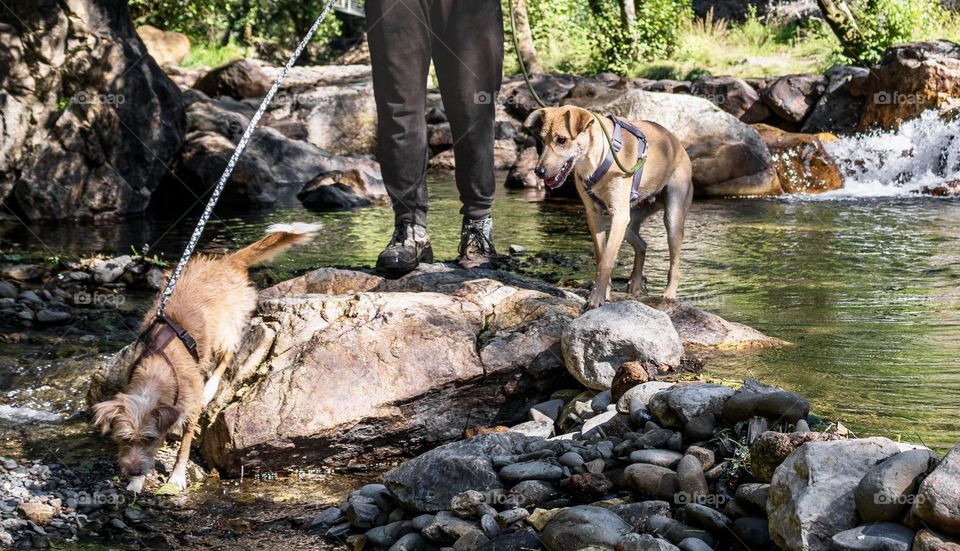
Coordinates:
670 295
178 480
136 484
637 287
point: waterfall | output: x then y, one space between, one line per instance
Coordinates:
923 153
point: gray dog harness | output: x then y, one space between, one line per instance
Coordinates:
618 127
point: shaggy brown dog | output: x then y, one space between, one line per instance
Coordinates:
213 302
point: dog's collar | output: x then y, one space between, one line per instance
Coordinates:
608 160
155 339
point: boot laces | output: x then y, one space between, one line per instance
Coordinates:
476 237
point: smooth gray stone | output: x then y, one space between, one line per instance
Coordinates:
532 470
707 518
883 536
662 458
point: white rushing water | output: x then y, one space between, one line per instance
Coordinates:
923 152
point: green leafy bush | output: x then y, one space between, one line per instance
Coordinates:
884 23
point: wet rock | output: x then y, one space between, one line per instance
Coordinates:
90 120
772 448
753 532
938 499
793 97
644 542
533 470
238 79
628 375
428 482
812 494
733 95
839 108
886 490
597 343
728 156
883 536
802 162
662 458
342 191
674 408
582 526
676 531
910 79
652 481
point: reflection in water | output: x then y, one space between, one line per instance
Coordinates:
865 288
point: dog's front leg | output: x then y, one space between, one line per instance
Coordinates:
608 256
178 478
136 484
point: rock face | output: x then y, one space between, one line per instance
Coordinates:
380 371
910 79
89 119
812 494
793 97
597 343
238 79
729 158
332 107
733 95
428 483
700 328
938 500
886 491
166 47
838 109
272 169
772 448
802 163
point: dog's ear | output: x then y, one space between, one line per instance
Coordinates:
104 413
534 121
579 121
167 416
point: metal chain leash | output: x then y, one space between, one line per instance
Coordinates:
241 145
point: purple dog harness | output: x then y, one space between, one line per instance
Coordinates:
617 141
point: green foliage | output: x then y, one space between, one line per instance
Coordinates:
221 29
659 23
884 23
212 55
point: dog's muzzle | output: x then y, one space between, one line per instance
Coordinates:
557 179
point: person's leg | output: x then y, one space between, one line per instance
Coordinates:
468 55
400 43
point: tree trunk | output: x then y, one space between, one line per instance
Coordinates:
628 18
527 49
844 25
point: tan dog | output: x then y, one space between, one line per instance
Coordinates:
213 302
573 141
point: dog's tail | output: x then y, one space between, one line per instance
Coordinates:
279 238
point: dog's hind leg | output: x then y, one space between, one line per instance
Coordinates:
638 283
674 216
178 477
213 383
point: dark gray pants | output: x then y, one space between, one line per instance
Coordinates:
465 40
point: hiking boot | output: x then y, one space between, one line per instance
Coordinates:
409 247
476 244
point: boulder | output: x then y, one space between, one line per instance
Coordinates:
551 89
427 483
733 95
729 158
521 174
910 79
882 536
812 493
803 164
273 168
583 526
237 79
704 329
331 106
339 190
674 408
887 490
938 499
792 97
90 122
652 481
839 108
384 368
772 448
757 400
597 343
166 47
929 540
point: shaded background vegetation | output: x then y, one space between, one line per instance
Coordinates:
652 38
